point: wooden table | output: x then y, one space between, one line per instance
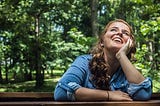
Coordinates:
46 99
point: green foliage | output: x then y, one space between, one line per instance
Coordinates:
141 63
146 67
66 52
150 27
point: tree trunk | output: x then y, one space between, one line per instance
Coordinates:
39 74
94 9
28 75
1 79
122 10
156 50
6 69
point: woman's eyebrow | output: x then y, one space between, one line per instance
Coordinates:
124 30
115 27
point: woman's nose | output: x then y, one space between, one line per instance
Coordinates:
120 33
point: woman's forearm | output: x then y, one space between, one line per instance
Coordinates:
86 94
132 74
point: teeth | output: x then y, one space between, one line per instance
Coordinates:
117 39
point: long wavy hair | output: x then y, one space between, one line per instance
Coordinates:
98 66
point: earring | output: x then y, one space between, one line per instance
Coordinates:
102 45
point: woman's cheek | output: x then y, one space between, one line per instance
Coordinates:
126 38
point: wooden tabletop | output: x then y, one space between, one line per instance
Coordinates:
109 103
46 99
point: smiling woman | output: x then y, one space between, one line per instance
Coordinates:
107 72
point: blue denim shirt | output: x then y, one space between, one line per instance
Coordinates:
78 75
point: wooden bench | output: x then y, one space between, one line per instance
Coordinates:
46 99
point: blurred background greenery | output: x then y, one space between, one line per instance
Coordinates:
39 39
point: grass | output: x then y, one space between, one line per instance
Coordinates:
29 86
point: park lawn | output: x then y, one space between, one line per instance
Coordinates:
29 86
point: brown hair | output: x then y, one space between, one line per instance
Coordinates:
98 67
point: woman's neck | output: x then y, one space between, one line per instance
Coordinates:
112 61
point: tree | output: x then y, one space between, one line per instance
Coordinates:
94 12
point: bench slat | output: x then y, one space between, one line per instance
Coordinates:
26 95
43 95
122 103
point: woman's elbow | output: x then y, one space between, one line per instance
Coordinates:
60 95
142 95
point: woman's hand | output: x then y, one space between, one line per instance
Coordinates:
119 95
125 49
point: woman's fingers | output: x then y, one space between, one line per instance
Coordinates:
125 96
128 45
119 95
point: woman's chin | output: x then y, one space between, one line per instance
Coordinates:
116 49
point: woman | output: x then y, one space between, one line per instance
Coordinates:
106 73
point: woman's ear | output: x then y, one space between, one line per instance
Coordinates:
102 45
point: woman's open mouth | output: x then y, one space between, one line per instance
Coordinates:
117 40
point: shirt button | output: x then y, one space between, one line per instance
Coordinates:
59 84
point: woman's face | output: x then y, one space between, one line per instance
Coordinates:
116 36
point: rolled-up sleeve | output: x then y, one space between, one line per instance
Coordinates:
142 91
70 88
72 80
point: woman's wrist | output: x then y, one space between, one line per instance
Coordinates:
119 55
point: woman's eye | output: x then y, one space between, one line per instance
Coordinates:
126 33
113 29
